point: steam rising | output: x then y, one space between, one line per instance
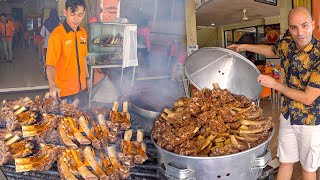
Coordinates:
157 81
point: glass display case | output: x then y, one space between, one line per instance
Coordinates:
113 43
33 21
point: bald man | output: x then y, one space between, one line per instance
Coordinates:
299 134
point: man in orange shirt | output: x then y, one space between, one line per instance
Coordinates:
7 31
67 69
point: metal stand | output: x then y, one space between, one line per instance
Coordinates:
267 174
93 67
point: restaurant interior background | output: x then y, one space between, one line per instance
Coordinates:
259 23
174 24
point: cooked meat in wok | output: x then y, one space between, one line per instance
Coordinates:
211 123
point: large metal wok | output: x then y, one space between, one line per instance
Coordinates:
237 74
149 101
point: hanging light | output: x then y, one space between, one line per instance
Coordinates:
212 23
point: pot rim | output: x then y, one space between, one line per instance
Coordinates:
151 113
215 157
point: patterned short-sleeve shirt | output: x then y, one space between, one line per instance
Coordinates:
300 69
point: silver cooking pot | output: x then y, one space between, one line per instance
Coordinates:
246 165
234 72
148 116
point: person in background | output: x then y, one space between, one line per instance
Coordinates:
300 84
143 38
48 26
67 69
26 36
7 32
18 32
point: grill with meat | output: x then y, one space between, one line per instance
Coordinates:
211 123
84 144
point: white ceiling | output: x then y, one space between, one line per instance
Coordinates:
223 12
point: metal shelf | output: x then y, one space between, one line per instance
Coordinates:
105 66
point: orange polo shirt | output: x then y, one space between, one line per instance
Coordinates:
66 52
7 30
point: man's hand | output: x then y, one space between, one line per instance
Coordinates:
89 84
237 47
267 81
306 97
54 92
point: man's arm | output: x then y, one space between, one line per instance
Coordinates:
306 97
86 69
89 83
264 50
43 31
51 75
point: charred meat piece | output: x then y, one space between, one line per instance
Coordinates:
44 129
64 170
133 151
83 123
82 169
26 118
42 161
115 117
122 171
70 110
125 116
112 136
50 105
14 149
21 148
141 148
5 154
108 168
87 152
119 120
65 139
75 131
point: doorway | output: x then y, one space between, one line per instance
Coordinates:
17 13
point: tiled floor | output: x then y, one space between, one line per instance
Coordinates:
23 72
268 111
